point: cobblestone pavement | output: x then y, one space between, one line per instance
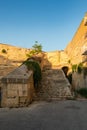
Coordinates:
60 115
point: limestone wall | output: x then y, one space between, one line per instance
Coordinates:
13 58
55 59
13 54
78 44
4 70
17 88
79 81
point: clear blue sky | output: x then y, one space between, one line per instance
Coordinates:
50 22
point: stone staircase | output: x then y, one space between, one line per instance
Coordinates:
54 86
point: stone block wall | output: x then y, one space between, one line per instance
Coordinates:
78 44
55 59
79 81
17 88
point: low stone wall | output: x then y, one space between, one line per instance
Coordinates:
17 88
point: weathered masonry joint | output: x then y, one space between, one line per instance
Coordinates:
17 88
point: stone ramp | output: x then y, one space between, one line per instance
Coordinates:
54 86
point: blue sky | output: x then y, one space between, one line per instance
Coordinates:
50 22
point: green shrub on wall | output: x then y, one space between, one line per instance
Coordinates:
77 68
36 49
33 65
74 68
4 51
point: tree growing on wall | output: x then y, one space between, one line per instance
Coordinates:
36 48
33 65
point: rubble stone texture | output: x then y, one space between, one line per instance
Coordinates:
54 86
17 88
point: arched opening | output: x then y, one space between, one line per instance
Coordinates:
65 70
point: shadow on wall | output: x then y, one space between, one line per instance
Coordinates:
68 75
65 70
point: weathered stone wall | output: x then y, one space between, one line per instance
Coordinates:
13 58
54 86
13 54
17 88
55 59
84 59
78 44
9 100
79 81
4 70
64 58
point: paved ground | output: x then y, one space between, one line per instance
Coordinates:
61 115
